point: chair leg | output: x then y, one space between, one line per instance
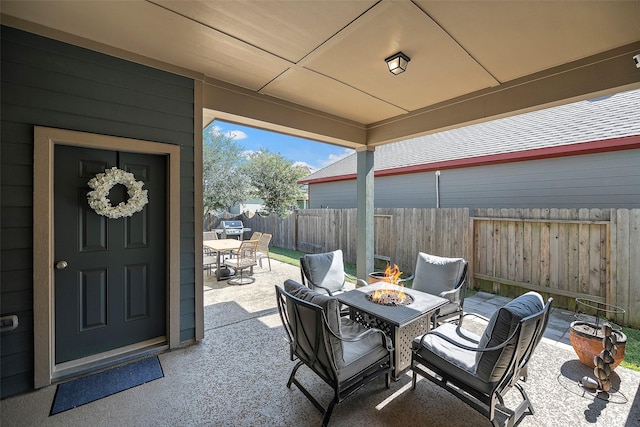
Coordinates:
328 412
523 407
293 373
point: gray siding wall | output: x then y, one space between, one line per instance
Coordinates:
334 195
603 180
49 83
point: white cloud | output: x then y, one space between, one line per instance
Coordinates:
304 165
236 134
233 134
335 157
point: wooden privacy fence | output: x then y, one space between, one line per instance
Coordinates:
567 253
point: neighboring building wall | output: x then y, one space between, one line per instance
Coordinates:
334 195
53 84
603 180
252 206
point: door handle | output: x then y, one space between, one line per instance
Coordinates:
61 265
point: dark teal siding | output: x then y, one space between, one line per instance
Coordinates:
49 83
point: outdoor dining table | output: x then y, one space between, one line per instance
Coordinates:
402 323
219 247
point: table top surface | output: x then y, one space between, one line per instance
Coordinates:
423 303
222 244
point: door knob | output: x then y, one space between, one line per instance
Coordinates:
61 265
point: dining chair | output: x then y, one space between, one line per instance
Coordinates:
263 249
245 259
256 235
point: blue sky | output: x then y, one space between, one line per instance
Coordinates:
315 154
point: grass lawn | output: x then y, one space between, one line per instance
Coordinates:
632 349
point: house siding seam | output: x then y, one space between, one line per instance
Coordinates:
49 83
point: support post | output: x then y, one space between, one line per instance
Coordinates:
364 248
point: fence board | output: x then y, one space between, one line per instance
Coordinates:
566 252
623 267
634 267
554 250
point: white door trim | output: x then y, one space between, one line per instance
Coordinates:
45 140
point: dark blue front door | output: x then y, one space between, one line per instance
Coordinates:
112 292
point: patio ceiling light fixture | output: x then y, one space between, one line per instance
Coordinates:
397 63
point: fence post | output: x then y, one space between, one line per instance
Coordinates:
295 230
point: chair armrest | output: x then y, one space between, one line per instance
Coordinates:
466 347
386 341
484 319
320 287
359 282
406 279
453 295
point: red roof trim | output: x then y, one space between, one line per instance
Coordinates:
607 145
330 179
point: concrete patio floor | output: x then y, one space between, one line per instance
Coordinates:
237 376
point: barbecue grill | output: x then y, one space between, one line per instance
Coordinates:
232 230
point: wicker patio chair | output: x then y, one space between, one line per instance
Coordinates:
263 249
245 259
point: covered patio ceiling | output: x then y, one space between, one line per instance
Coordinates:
316 68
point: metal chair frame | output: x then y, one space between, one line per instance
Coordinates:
306 279
312 349
488 403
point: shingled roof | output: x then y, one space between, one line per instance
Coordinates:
599 119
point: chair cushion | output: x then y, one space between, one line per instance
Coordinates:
359 355
491 366
436 274
331 307
446 357
326 269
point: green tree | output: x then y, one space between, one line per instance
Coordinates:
223 183
274 179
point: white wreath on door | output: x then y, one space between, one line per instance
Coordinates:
102 183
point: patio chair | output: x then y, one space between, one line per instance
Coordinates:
342 352
208 261
325 273
263 249
481 370
209 235
254 236
445 277
245 259
209 256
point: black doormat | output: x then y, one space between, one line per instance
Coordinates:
87 389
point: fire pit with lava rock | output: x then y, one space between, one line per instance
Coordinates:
391 297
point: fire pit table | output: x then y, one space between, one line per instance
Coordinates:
401 322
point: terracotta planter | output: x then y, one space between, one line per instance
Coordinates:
376 276
586 340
